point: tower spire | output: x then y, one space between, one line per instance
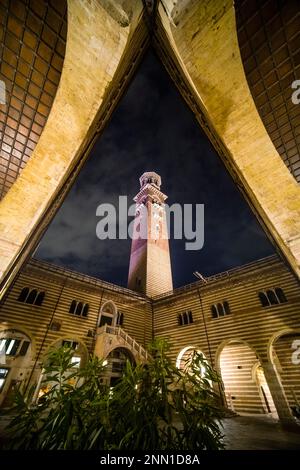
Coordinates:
150 265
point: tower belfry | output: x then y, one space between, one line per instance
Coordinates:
150 265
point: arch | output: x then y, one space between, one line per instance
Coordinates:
17 351
228 341
185 355
275 336
21 329
258 376
108 312
243 394
64 337
115 361
223 104
284 354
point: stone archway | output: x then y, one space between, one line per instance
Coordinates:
236 360
115 362
185 356
284 351
15 362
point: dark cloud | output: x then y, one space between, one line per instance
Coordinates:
152 129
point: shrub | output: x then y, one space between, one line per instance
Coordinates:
154 406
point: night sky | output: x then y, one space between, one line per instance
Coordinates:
153 130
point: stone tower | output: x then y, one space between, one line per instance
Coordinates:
150 265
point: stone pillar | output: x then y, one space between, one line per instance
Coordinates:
278 394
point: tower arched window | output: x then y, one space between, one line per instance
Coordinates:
280 295
190 316
180 319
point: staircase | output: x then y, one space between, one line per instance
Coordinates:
126 339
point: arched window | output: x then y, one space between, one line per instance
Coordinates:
180 319
190 316
280 295
220 310
226 307
85 310
23 294
185 318
72 306
272 297
79 308
214 312
31 297
263 299
40 298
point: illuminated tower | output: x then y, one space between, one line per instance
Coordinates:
150 265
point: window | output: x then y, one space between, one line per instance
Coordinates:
263 299
220 309
79 308
214 312
32 296
120 318
9 346
272 297
23 295
104 320
280 295
3 374
75 361
70 344
185 318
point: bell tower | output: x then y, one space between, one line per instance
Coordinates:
150 265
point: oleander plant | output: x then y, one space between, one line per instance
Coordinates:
154 406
